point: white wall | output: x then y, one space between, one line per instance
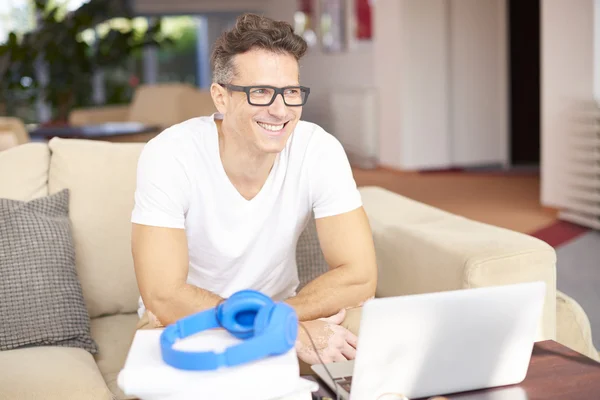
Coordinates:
442 79
386 31
425 124
596 41
410 56
478 82
567 76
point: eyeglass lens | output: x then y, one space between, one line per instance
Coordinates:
262 96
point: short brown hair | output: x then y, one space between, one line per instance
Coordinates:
253 31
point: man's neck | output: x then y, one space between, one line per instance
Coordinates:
246 168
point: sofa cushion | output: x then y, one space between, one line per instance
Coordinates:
114 335
50 373
101 178
309 256
42 302
24 171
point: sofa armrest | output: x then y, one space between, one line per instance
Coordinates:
423 249
99 115
573 327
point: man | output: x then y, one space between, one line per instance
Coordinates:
221 200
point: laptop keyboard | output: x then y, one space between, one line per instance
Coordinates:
344 382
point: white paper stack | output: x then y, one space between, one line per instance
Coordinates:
146 376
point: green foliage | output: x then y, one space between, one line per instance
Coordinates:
71 61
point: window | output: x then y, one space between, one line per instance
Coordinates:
15 16
19 15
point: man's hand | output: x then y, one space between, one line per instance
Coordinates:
333 342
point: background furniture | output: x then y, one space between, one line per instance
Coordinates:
12 133
162 104
110 132
419 249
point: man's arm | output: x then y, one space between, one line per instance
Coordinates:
347 245
160 257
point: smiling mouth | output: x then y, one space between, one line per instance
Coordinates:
271 127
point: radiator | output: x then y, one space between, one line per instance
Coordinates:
354 123
582 183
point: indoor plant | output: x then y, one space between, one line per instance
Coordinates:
69 61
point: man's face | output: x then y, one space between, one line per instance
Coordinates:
265 129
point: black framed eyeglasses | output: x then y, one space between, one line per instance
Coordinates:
293 96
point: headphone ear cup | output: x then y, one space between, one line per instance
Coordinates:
281 327
238 313
263 318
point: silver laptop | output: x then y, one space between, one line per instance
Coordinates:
441 343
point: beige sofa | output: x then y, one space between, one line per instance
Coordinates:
419 249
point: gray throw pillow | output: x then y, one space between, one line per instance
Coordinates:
41 301
309 257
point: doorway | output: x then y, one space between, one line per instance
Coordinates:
524 81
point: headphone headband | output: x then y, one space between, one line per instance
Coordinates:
183 328
270 329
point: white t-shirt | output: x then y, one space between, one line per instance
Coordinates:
234 243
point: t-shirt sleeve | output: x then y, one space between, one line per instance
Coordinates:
332 185
162 187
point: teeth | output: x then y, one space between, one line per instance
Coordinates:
269 127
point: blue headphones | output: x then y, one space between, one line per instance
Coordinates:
268 328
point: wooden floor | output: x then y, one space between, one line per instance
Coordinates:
508 200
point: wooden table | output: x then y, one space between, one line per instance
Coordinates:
112 132
555 372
